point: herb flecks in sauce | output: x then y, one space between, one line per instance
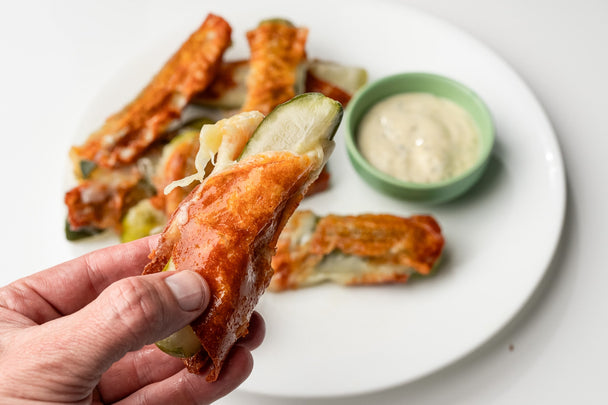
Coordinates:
418 137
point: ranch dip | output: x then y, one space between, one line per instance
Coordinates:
418 137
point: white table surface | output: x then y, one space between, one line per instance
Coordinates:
55 55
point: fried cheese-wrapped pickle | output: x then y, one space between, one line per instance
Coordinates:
334 80
177 162
354 250
229 90
126 134
150 215
227 227
111 165
100 201
277 49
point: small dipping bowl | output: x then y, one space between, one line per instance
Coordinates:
436 85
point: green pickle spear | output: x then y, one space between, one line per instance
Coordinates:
182 343
141 220
300 125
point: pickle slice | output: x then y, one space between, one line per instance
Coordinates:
300 125
182 343
73 235
348 78
141 220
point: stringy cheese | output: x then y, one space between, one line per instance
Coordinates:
221 144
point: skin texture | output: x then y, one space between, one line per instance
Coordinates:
82 332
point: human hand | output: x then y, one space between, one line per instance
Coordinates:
81 332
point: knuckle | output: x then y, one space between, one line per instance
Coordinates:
135 304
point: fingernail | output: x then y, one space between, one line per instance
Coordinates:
189 289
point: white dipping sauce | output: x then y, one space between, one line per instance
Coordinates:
418 137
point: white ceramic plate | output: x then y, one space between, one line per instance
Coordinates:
331 341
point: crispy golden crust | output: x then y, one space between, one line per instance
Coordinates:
380 240
320 184
101 201
276 51
175 167
224 80
126 134
317 85
226 230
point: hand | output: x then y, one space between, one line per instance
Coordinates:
81 332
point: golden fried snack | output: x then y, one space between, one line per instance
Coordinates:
226 230
128 133
199 149
100 201
321 184
227 227
228 90
277 49
334 80
318 85
354 250
176 163
180 165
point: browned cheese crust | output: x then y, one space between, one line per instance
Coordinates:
318 85
177 166
276 51
101 201
226 230
380 239
224 81
126 134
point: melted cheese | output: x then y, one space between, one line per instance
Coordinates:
221 144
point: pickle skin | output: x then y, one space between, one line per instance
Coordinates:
182 343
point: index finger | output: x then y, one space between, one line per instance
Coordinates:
67 287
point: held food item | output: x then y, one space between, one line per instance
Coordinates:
234 84
354 250
227 228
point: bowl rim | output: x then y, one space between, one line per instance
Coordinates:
351 128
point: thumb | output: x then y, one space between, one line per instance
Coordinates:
133 312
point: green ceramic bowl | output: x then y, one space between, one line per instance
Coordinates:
439 86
